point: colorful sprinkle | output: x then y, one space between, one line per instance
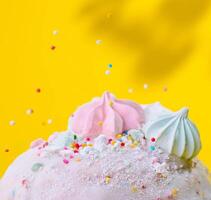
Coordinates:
55 32
65 161
107 72
53 47
130 90
36 167
110 65
38 90
146 86
6 150
29 111
107 179
153 139
152 148
12 122
98 42
49 121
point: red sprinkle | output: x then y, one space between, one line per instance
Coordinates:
152 139
109 141
38 90
77 146
53 47
75 151
122 144
88 139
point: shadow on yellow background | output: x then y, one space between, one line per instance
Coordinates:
161 34
165 44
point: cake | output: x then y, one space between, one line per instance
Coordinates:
113 150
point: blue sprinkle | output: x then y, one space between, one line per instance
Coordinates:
125 132
152 148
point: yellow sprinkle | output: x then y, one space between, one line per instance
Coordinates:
84 145
133 146
134 189
135 142
118 136
90 145
174 192
100 123
111 103
113 142
130 138
107 179
72 145
77 159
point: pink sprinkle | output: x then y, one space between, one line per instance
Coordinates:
66 161
109 141
65 148
71 156
88 139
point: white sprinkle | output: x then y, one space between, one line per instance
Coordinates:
12 123
98 42
146 86
107 72
50 121
29 111
55 32
130 90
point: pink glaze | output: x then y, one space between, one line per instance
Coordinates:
107 116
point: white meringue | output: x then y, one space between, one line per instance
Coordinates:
175 134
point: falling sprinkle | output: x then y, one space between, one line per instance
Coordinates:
29 111
53 47
6 150
12 123
55 32
36 167
50 121
107 72
130 90
146 86
38 90
98 42
165 89
110 65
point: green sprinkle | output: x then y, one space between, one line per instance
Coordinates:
152 148
75 137
110 65
36 167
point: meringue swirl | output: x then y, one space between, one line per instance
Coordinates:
107 116
175 134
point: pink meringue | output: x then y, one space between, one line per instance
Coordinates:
107 116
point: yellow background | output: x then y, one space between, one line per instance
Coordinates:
164 43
